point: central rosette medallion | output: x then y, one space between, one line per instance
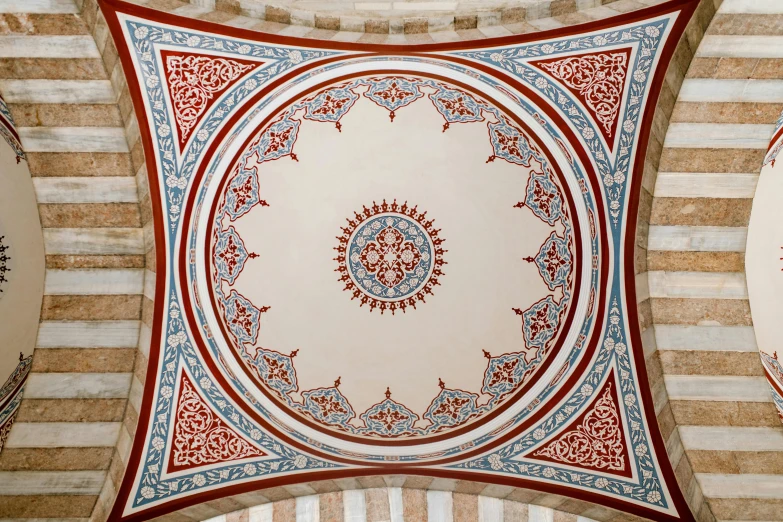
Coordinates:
389 256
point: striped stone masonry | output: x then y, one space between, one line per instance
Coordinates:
64 88
711 153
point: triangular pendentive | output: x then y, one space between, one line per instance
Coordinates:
597 80
595 440
195 82
200 437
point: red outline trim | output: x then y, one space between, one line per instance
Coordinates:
687 8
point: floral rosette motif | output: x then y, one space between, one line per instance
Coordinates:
390 256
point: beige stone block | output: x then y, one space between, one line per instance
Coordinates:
746 509
512 15
218 17
71 410
277 494
89 215
47 506
48 164
563 7
521 495
330 23
331 507
711 160
95 261
415 25
417 482
229 6
284 511
90 360
694 112
721 413
703 67
419 38
471 34
747 24
51 69
696 261
42 24
469 487
65 115
165 5
574 18
769 69
377 502
726 312
376 26
90 307
372 38
520 28
414 504
371 482
682 362
465 507
55 459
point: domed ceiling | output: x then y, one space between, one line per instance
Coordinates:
396 260
21 271
765 267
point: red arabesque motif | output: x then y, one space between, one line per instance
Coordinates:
200 437
195 81
484 66
390 257
502 373
328 405
452 407
598 80
595 440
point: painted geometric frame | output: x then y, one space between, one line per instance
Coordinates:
545 96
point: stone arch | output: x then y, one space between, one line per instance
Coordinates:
708 381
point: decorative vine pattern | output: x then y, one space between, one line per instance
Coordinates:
11 396
613 170
540 322
176 175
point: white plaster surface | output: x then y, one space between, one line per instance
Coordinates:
20 301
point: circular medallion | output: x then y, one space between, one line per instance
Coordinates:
390 257
299 240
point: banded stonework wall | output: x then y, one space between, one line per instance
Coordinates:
65 92
60 73
699 203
